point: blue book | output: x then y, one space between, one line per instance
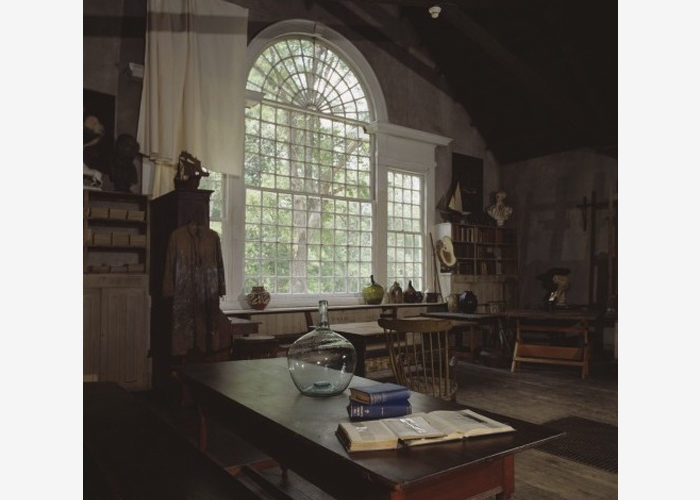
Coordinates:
380 393
358 411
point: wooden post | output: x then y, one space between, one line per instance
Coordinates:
591 253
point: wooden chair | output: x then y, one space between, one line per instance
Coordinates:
419 354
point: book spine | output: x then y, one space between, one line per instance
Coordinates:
389 397
359 411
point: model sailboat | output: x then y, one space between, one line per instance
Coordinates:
450 205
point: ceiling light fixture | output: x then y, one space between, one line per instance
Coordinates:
434 11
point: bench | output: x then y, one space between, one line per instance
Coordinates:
129 453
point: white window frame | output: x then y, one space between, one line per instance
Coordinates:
395 147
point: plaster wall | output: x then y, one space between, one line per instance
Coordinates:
101 53
544 193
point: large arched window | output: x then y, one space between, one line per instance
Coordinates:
308 172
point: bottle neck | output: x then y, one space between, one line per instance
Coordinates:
323 313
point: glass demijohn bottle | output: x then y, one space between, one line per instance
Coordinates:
322 362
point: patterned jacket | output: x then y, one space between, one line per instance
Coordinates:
194 278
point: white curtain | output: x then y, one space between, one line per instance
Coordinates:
193 87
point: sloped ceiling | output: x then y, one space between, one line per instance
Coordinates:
536 76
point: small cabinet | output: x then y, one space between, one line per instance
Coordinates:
116 314
485 250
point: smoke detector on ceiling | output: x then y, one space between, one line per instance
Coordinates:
434 11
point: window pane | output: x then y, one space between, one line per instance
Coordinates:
405 229
307 172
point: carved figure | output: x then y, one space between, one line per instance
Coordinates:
189 172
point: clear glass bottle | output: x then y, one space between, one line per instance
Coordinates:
322 362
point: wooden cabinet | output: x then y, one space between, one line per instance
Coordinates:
116 302
115 329
485 250
168 212
487 264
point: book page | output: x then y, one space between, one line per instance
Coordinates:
412 427
466 423
368 435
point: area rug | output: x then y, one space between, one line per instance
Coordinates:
586 442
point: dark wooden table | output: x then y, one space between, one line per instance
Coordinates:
472 322
260 400
557 322
360 335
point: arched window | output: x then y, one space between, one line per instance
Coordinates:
308 172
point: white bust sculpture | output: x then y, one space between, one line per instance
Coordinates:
500 212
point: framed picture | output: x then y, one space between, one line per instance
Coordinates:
468 174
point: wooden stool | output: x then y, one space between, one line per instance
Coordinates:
255 347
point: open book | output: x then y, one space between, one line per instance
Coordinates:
417 429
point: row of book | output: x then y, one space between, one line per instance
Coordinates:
379 401
483 235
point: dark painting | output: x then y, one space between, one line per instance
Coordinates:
98 129
469 172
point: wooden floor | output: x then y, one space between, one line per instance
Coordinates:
534 394
539 395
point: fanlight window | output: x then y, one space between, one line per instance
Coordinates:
308 173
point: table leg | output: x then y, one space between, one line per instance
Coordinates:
586 351
202 427
360 350
508 478
472 341
518 339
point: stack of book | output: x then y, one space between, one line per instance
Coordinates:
379 401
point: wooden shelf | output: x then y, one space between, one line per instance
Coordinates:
112 238
115 222
484 250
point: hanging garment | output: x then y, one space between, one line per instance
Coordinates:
194 278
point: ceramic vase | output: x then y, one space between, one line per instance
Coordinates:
467 302
411 295
395 293
258 298
453 302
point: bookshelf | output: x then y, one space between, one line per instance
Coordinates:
485 250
